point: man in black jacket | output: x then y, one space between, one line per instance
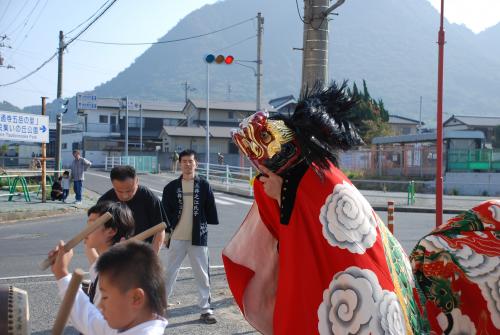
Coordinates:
190 206
144 204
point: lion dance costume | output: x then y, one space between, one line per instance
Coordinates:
321 261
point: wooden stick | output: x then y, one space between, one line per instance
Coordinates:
67 302
99 222
149 232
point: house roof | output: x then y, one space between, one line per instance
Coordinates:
429 137
221 132
146 105
216 132
396 119
183 131
480 121
282 101
247 106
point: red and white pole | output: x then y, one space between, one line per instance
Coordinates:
390 216
439 125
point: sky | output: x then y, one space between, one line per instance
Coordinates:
33 26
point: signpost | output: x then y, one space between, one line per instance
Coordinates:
86 101
24 127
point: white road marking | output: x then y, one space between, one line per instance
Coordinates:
45 276
236 200
222 202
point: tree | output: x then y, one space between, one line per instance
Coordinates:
373 113
496 139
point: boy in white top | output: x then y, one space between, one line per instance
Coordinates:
65 182
121 226
132 287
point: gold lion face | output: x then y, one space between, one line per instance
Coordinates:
260 138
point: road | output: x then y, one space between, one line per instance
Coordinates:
24 244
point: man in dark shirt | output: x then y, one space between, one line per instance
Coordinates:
145 206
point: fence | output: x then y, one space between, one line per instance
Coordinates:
411 161
391 162
230 176
474 160
143 164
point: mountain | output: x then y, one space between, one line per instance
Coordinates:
8 107
389 43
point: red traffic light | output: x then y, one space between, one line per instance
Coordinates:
219 59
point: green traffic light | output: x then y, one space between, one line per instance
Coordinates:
209 58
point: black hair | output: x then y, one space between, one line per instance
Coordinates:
66 173
188 152
122 173
122 218
324 123
134 264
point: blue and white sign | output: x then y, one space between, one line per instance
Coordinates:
24 127
86 101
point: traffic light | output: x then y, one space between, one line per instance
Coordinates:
219 59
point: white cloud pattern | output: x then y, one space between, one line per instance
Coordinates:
348 220
355 303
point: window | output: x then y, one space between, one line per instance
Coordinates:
103 119
75 146
230 115
406 130
135 122
64 146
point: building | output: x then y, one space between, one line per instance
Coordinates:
404 126
104 128
222 114
284 105
486 124
181 138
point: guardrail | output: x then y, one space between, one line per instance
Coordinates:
144 164
228 175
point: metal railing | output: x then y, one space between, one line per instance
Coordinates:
473 160
142 164
230 176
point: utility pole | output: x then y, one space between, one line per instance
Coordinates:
186 88
439 126
315 45
207 119
140 127
420 118
126 128
59 96
44 156
60 65
260 28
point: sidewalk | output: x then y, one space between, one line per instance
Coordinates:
19 209
424 203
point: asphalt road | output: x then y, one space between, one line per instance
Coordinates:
24 244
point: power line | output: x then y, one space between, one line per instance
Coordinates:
171 41
81 24
56 53
235 44
32 26
28 17
90 24
6 9
16 16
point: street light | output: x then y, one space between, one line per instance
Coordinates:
64 105
209 59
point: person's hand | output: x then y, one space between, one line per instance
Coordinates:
272 183
62 260
158 241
